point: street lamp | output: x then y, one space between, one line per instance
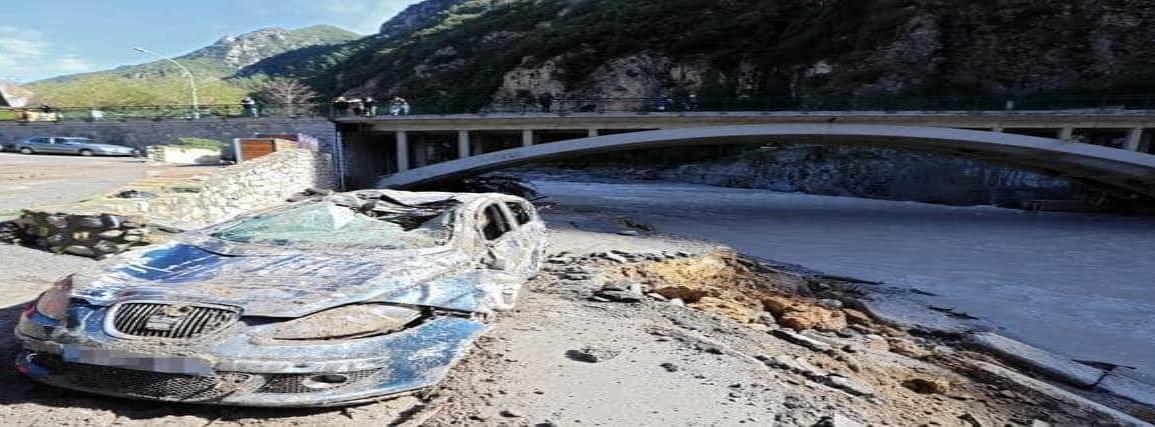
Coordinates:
192 83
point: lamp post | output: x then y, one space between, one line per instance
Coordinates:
192 83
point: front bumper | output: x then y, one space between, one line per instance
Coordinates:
248 372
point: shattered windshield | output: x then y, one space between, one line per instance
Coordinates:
332 225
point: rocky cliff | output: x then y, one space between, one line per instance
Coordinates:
477 49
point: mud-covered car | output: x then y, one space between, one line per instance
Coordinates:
331 301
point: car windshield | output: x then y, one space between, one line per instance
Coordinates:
78 140
324 224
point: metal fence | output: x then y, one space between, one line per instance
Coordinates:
488 105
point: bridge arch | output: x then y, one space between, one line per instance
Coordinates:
1125 170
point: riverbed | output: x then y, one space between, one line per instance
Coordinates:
1078 284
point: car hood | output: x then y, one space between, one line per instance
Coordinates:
288 284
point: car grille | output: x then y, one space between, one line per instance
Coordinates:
133 383
295 383
154 320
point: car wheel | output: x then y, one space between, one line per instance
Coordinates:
26 150
86 153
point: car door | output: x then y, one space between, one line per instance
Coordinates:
512 242
39 145
530 235
63 145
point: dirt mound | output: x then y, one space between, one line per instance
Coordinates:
724 283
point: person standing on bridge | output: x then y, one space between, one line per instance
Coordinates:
398 106
249 105
340 106
545 100
370 105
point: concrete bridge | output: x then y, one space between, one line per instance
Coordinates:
1110 147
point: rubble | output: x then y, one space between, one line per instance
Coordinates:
591 354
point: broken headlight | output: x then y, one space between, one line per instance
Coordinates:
351 321
53 303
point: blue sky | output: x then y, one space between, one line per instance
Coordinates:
45 38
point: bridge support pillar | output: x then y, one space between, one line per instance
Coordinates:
1134 139
462 144
402 153
593 133
527 137
998 129
1066 134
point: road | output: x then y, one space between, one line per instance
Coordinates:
40 180
1077 284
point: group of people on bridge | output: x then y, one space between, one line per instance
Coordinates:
368 106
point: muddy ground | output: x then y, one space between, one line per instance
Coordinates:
649 329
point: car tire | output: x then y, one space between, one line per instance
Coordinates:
87 153
26 150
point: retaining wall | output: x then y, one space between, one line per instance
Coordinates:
142 133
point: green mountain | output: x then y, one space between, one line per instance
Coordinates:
464 53
160 82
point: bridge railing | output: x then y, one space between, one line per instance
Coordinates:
595 105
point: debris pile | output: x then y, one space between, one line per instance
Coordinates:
88 235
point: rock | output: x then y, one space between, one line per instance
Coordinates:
657 296
797 366
629 233
726 307
80 250
576 277
669 367
132 238
81 236
615 258
971 420
511 413
559 260
837 420
710 348
619 296
591 354
907 348
830 303
848 385
857 317
94 222
1040 423
110 221
927 385
110 234
678 302
105 247
853 348
801 340
799 316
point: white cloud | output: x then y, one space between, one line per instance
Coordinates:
26 54
362 16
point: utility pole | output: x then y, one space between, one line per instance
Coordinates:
192 83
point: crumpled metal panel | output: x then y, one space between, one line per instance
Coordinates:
271 281
289 285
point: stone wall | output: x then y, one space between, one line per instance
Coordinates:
258 184
143 133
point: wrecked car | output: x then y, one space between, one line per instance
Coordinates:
336 300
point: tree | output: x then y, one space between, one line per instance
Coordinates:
285 91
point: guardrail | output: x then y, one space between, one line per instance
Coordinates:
488 105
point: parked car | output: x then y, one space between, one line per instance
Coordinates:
70 145
330 301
